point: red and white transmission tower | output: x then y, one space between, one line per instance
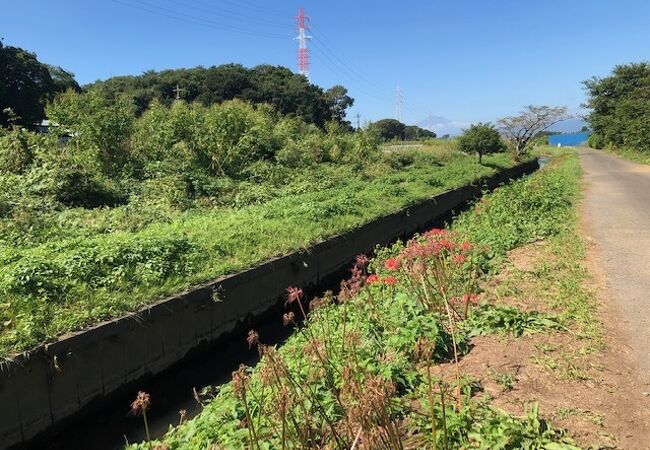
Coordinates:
302 38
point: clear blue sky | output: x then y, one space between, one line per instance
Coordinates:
466 60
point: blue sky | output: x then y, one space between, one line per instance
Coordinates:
465 60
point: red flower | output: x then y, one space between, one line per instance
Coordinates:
471 298
444 243
293 294
392 264
372 279
389 280
361 261
465 246
436 232
459 259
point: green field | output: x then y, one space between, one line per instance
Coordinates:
362 367
64 268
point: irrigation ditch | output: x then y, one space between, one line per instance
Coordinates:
75 392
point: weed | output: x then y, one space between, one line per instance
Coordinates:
357 372
506 380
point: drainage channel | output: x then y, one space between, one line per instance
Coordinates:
107 423
110 425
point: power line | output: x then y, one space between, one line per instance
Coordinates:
172 14
231 14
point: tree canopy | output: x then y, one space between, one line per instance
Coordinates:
290 94
482 139
26 85
389 129
620 107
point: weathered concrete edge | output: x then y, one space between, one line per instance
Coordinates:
57 380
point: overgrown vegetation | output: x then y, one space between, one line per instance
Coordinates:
620 109
290 94
133 208
357 371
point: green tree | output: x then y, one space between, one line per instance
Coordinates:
26 85
389 129
620 107
290 94
482 139
415 133
338 101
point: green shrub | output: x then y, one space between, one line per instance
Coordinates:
17 150
237 134
96 123
596 141
525 210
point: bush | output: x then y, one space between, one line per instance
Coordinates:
17 150
236 134
596 141
94 122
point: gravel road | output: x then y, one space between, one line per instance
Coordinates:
617 206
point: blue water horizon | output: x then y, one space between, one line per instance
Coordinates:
570 139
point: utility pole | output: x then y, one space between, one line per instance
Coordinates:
178 91
302 38
399 97
358 116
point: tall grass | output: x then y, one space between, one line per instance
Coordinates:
357 372
72 268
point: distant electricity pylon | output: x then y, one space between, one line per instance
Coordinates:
178 91
302 38
399 97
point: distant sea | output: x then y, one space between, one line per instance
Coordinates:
568 139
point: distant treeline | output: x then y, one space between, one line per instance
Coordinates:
620 108
27 85
392 129
290 94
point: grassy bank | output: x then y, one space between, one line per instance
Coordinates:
629 154
64 269
358 373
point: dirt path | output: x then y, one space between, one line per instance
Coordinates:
617 215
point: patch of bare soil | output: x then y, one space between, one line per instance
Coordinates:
598 396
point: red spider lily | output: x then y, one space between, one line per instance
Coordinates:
293 294
465 246
392 264
447 244
459 259
372 279
361 261
471 298
436 232
141 403
389 280
356 273
253 338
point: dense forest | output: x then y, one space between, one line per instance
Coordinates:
620 108
290 94
27 85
